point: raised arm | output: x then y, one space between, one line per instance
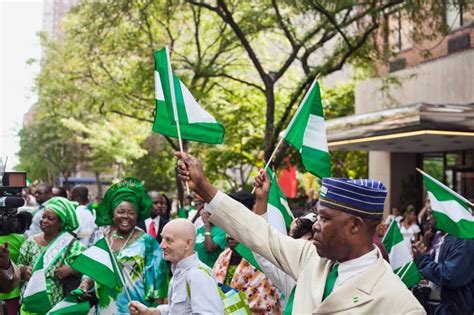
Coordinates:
286 253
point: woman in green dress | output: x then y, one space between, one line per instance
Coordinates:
51 252
137 253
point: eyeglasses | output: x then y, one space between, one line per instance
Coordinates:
40 192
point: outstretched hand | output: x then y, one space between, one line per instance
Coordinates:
190 171
262 185
419 248
137 308
4 256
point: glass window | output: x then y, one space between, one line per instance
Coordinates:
433 164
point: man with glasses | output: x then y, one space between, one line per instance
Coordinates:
42 194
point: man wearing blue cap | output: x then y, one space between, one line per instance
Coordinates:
341 271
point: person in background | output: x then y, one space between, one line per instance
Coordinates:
408 227
235 271
80 194
193 287
210 241
59 191
42 194
159 216
449 270
195 215
395 214
312 199
183 211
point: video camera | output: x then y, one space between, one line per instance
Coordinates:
11 187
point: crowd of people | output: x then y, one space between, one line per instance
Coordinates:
215 248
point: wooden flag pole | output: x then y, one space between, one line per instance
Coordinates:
175 108
116 265
271 157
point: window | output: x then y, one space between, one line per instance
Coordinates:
458 14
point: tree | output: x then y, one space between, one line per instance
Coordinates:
248 64
48 149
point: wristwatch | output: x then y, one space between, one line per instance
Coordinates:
207 233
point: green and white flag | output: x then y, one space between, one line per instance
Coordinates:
452 212
279 214
176 105
306 132
98 263
400 256
70 305
36 297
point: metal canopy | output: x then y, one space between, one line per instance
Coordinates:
418 128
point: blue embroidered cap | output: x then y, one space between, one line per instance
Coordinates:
360 197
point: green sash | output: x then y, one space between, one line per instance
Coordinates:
36 296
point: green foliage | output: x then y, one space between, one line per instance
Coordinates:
156 167
48 149
247 63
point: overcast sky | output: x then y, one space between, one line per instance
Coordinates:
19 23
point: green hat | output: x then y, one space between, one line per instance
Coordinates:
66 211
129 189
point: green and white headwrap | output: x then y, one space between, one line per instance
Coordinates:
129 189
66 211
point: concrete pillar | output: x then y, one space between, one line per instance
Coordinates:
379 169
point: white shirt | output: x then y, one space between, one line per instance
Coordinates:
391 217
86 224
35 222
204 297
198 223
409 233
148 222
353 267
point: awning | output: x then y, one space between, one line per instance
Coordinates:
416 128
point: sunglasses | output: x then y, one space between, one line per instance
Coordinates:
41 193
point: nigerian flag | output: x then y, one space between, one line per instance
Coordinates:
400 256
278 211
452 212
176 105
36 298
70 305
306 132
98 263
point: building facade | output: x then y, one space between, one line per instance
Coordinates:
425 120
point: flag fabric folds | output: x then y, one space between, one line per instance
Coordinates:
452 212
400 256
278 211
176 105
36 298
71 305
98 263
306 132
